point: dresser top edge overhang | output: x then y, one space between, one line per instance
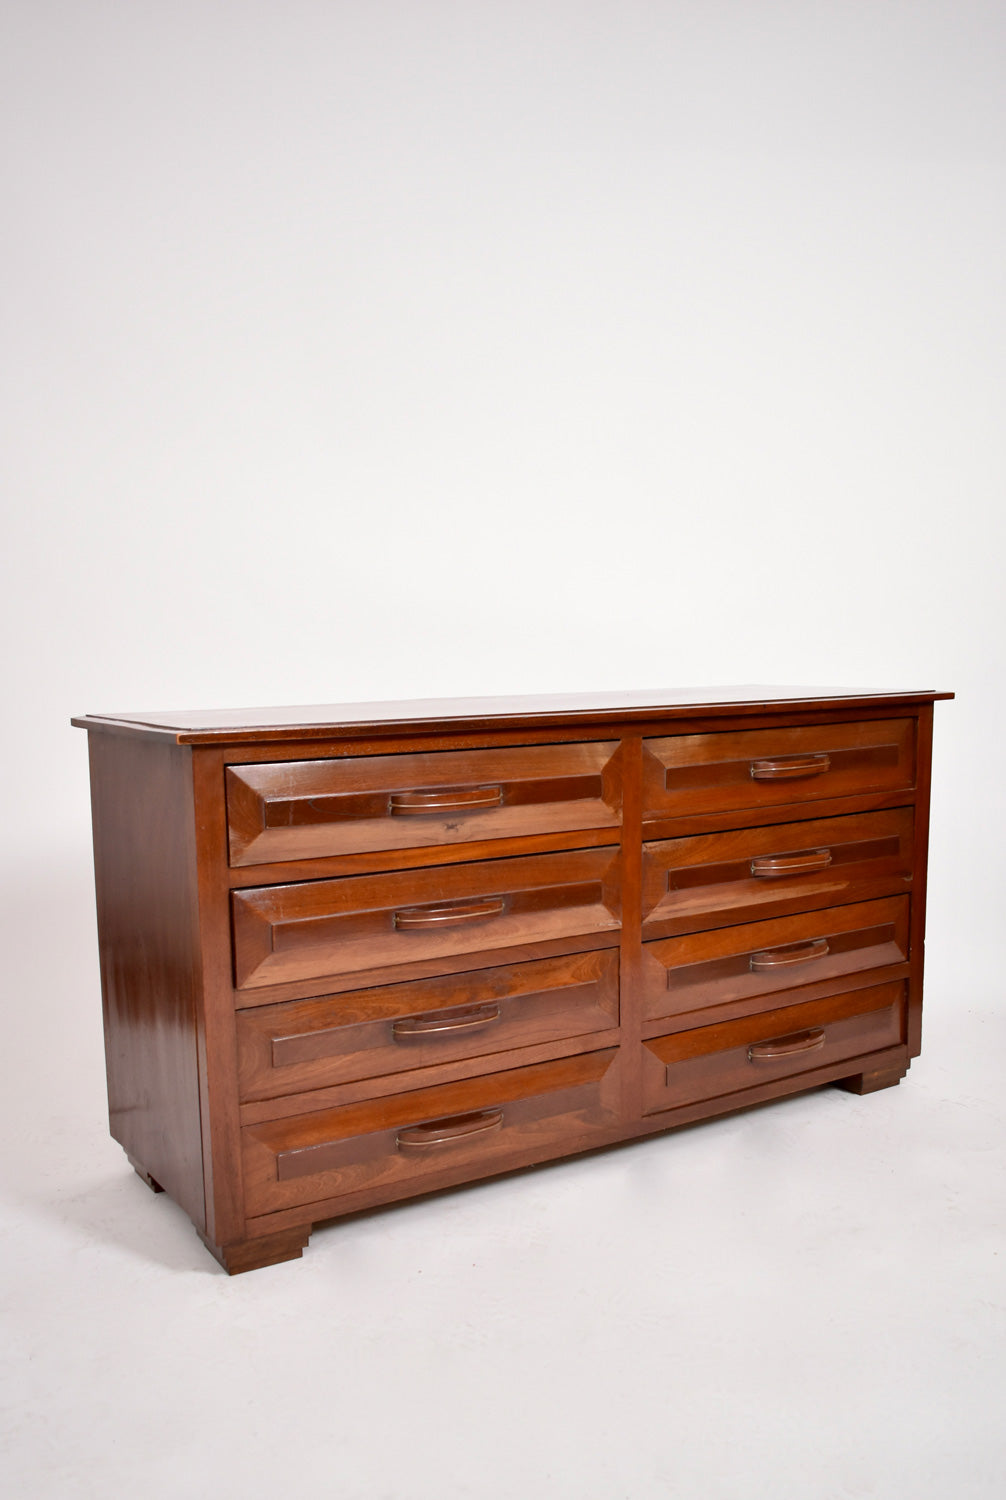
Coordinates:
229 726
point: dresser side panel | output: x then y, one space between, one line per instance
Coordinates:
144 860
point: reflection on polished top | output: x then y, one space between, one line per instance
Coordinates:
202 725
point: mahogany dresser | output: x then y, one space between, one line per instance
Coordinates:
357 953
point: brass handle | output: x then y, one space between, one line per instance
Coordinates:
797 953
417 917
788 767
465 799
415 1138
444 1021
770 866
785 1046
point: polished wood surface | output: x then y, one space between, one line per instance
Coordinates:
422 918
144 868
752 960
701 773
394 1029
730 1056
311 1157
261 725
315 808
366 954
714 879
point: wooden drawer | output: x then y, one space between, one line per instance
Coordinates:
735 1055
309 809
451 1132
733 964
424 921
308 1044
714 879
697 773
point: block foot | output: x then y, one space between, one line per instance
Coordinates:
267 1250
868 1083
144 1175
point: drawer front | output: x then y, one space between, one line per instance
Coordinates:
696 773
319 928
310 809
307 1044
729 964
456 1131
735 1055
719 878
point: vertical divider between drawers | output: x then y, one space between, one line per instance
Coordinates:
217 1038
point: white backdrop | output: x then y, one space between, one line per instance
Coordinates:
365 350
358 349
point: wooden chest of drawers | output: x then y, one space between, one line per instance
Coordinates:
358 953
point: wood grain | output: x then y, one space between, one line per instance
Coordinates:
298 1161
763 768
144 871
734 1055
709 880
491 933
703 970
314 808
310 1044
347 926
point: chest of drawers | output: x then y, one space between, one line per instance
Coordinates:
357 953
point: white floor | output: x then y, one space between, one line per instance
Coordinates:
804 1301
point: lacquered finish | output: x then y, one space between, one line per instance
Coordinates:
346 720
708 881
422 921
753 961
315 808
730 1056
714 772
355 954
395 1029
314 1156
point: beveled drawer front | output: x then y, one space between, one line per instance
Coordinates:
310 809
705 969
713 879
696 773
458 1127
306 1044
793 1039
323 928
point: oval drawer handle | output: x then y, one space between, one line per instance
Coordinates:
788 767
465 799
448 916
786 1046
797 953
446 1132
770 866
444 1021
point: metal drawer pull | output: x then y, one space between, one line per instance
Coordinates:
417 917
438 1024
788 767
446 1132
770 866
798 953
464 799
786 1046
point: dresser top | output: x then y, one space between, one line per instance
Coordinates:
231 726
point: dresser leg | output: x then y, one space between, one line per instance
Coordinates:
868 1083
144 1175
268 1250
